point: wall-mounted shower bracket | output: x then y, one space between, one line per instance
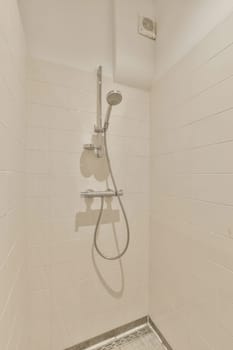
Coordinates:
98 130
99 194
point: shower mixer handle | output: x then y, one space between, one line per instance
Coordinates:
99 194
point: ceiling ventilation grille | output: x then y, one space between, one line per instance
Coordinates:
147 27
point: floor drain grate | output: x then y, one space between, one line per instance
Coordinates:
141 334
143 338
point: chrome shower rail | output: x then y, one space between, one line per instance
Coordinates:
114 97
99 98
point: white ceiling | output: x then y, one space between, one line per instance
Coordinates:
72 32
80 32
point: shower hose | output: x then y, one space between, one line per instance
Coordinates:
118 256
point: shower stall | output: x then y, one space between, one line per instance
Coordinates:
116 174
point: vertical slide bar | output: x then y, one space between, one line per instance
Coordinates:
99 98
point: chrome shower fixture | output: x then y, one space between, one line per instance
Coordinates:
113 98
100 147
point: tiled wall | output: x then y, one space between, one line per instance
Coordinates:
12 130
75 294
191 275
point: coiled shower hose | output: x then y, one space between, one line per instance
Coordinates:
102 206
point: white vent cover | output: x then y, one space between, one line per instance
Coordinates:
147 27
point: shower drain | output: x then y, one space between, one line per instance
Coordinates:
143 338
141 334
125 339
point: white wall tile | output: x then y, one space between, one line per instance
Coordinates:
191 244
62 112
13 292
48 94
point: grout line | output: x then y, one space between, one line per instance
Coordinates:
209 87
198 200
213 56
208 116
191 173
193 148
93 113
11 292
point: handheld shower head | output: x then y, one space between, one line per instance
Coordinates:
113 98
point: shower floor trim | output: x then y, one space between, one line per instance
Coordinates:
122 336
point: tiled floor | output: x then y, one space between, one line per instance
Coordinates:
142 338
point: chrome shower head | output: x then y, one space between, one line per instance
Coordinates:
114 97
